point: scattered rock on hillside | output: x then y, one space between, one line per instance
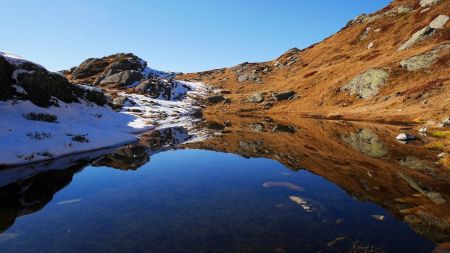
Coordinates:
256 98
405 137
423 60
284 95
426 3
122 79
367 84
427 31
445 122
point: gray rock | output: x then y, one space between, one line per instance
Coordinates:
439 22
426 32
423 60
367 84
123 78
426 3
445 122
284 95
256 98
249 77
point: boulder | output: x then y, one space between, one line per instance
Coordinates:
124 78
445 122
284 95
249 77
416 37
423 60
367 84
256 98
426 3
439 22
405 137
215 99
427 31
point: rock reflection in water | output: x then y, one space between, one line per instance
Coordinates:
363 159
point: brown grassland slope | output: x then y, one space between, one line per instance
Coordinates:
318 73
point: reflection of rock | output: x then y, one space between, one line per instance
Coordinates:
415 163
128 158
28 196
435 197
353 164
367 142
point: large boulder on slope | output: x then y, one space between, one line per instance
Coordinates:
367 84
426 32
424 60
122 79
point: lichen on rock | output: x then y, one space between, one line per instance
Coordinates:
367 84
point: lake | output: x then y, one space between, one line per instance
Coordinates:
253 185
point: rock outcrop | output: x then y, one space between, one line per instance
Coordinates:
367 84
25 80
423 60
427 31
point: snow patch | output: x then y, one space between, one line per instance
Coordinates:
80 127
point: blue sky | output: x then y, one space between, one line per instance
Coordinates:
171 35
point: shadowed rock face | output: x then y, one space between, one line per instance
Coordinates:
28 81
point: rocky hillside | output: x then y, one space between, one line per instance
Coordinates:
24 80
392 65
140 90
44 116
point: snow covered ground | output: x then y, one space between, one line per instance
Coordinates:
77 128
167 113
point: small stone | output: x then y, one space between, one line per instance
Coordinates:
423 130
405 137
370 45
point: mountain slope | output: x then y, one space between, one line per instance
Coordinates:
358 73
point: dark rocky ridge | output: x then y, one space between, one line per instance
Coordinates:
25 80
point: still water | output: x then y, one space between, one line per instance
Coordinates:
194 200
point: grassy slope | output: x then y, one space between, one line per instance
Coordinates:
325 67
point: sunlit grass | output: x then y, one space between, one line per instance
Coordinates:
440 134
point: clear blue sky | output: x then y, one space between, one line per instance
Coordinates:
171 35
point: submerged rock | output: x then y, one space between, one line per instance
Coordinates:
367 84
288 185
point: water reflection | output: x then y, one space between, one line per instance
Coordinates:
362 159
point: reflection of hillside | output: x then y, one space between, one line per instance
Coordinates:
30 194
363 159
132 157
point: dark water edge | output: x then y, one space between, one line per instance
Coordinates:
152 198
